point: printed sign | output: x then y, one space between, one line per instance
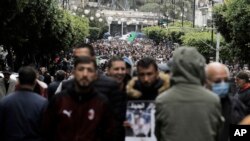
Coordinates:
140 121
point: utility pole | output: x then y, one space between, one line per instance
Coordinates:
217 57
194 13
182 15
212 22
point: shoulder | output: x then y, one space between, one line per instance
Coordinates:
199 93
104 78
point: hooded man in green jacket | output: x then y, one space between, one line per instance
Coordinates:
188 111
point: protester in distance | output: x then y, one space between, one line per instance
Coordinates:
21 111
187 111
243 82
59 77
80 113
7 84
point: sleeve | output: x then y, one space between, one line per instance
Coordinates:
1 120
59 88
108 124
239 110
158 120
217 120
49 120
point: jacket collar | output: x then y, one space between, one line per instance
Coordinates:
162 85
80 97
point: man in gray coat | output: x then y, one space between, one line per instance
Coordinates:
188 111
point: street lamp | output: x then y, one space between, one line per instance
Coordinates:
100 19
86 11
110 19
122 21
91 18
97 15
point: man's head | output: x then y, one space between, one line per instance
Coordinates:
6 75
83 50
60 75
242 78
85 71
27 77
147 70
117 69
218 78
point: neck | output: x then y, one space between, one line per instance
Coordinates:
29 87
82 90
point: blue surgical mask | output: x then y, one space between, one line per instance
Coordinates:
221 89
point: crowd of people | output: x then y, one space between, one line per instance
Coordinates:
87 99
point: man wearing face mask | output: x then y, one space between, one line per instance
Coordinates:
232 109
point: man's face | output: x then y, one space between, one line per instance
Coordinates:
117 71
43 70
78 52
84 74
217 76
6 76
147 76
240 82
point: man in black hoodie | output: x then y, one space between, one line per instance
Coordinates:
232 109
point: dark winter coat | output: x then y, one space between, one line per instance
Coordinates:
72 116
20 116
244 96
52 88
233 110
109 87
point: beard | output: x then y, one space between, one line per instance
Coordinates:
84 84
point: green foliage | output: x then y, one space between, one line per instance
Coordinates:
155 33
233 21
150 7
200 40
35 29
158 34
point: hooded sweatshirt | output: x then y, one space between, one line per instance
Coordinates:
187 111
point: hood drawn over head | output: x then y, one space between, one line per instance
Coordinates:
188 66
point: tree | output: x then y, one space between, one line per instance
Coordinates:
232 20
36 30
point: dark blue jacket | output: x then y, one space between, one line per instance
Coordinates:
20 116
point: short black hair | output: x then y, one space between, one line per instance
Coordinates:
85 60
88 46
60 75
27 75
146 62
113 59
243 75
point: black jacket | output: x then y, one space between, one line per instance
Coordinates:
72 116
20 116
233 110
117 99
244 97
52 88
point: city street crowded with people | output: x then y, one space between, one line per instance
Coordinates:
114 70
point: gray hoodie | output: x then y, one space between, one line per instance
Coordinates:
187 111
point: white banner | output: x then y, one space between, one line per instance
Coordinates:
140 121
